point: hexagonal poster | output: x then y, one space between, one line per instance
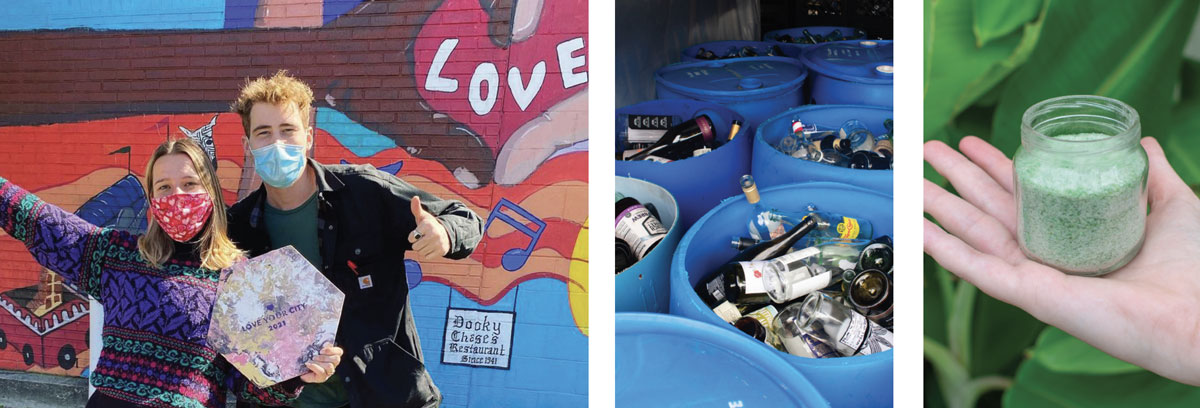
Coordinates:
272 314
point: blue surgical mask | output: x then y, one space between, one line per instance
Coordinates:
279 164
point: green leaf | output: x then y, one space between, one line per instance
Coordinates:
1130 51
957 71
1182 151
1000 336
1038 386
995 19
1058 351
936 301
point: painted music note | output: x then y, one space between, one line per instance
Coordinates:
515 258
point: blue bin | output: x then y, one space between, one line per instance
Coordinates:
850 72
721 48
845 381
755 87
668 361
771 167
645 286
698 183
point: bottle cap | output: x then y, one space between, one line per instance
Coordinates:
750 189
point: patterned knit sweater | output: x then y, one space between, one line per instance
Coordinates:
155 350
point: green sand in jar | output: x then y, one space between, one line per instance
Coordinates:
1083 215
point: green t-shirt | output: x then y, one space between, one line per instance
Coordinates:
298 228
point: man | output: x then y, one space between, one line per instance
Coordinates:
353 223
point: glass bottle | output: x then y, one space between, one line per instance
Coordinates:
835 226
751 327
857 134
795 274
624 255
680 141
832 323
637 227
871 294
1080 177
705 54
765 316
743 275
764 223
877 255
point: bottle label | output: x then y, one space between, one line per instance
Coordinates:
646 128
804 345
640 229
865 336
752 275
848 228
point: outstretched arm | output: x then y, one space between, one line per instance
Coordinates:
60 241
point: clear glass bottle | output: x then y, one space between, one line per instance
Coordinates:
1080 179
831 323
764 223
832 226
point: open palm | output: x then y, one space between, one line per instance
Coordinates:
1146 313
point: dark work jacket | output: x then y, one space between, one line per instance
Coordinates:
364 217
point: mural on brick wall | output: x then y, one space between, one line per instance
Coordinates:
480 101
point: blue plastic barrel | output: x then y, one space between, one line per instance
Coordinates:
697 183
844 381
722 48
645 286
668 361
850 72
771 167
755 87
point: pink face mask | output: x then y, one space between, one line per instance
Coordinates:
182 216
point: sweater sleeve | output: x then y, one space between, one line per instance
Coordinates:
58 240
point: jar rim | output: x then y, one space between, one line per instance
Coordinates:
1098 114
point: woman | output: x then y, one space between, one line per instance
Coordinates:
157 289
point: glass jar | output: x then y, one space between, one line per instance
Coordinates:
1080 177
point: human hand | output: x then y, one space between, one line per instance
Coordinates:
1146 313
430 238
321 367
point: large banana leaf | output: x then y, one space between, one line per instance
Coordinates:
1127 50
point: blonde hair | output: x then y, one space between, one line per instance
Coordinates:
280 89
217 251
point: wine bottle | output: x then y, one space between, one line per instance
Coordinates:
751 327
809 38
877 255
831 323
741 243
869 160
624 257
742 275
871 294
764 223
637 227
792 275
727 312
765 316
681 141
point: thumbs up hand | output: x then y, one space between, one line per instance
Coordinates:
429 238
